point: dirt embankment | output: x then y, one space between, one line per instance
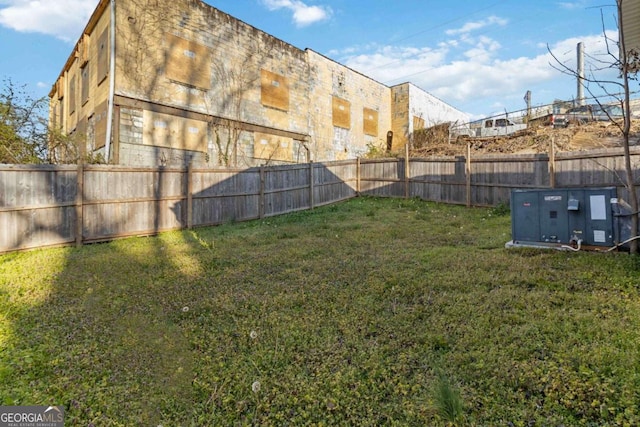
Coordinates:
576 137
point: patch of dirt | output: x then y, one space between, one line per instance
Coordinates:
596 135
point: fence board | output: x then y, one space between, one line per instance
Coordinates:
222 196
384 178
334 182
440 179
286 189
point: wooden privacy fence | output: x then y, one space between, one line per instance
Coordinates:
487 180
45 205
49 205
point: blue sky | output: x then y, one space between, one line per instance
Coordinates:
481 56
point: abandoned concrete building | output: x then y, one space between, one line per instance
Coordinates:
169 82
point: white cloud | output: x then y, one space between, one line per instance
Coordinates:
303 14
598 56
477 48
573 5
63 19
471 71
477 25
481 50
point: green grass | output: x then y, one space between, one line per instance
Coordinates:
370 312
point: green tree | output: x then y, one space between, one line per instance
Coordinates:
23 125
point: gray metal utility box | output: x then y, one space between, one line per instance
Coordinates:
569 217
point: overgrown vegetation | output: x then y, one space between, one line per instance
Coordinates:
370 312
25 134
377 151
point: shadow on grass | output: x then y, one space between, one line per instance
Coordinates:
213 327
101 336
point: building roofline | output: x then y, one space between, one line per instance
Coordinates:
347 67
93 21
206 5
429 93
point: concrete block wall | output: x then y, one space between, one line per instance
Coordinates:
411 102
130 126
162 156
431 109
237 53
329 79
400 122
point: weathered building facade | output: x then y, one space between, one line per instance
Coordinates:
415 109
159 82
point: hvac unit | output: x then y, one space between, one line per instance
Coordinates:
570 218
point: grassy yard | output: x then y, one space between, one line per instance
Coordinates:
371 312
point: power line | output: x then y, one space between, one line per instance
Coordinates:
403 78
431 29
449 22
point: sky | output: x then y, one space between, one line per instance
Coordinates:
480 56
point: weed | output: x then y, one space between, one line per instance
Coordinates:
501 209
448 402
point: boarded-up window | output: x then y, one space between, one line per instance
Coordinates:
60 87
275 90
341 113
187 62
83 50
103 56
370 122
272 147
84 74
166 130
81 135
82 126
53 115
61 112
418 123
72 95
100 118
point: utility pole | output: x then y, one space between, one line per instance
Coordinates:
580 73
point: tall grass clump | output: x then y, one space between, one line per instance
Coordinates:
447 400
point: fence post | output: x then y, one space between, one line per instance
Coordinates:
312 201
467 172
190 195
406 171
116 135
552 163
358 176
80 202
261 201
